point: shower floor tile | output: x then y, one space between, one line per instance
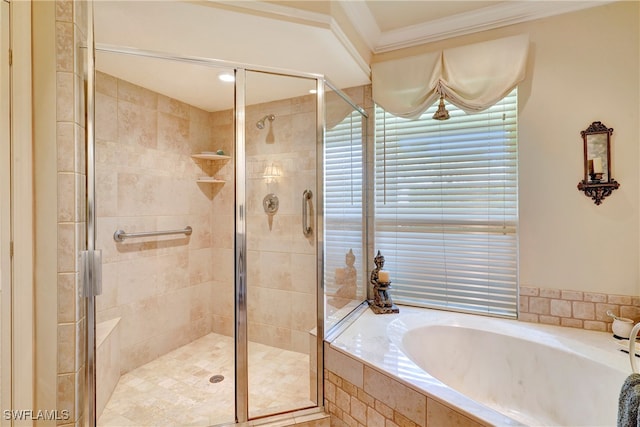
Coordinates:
174 389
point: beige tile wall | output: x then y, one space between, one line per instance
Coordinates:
70 33
281 262
162 288
361 396
223 224
576 309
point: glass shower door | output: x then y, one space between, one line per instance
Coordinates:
281 236
165 339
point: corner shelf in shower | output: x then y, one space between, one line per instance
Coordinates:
210 156
210 180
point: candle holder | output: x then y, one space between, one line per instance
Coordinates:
596 177
381 303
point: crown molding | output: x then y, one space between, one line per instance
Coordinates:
291 14
487 18
363 21
285 13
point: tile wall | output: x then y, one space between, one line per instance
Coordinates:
358 395
70 34
160 287
146 181
281 261
576 309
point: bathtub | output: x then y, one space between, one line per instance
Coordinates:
499 372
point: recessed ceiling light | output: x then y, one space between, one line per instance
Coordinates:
226 77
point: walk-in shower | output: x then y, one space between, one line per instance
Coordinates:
212 307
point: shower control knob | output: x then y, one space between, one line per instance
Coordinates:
270 203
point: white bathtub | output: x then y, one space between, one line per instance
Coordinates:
501 372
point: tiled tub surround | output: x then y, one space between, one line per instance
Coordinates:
370 380
576 309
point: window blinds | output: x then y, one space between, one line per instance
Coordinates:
446 208
343 197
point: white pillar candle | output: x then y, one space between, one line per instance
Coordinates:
597 165
383 276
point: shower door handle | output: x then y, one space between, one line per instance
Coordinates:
306 200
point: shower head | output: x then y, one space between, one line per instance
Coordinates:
260 124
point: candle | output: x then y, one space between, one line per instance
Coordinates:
597 165
383 276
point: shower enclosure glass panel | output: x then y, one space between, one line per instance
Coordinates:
281 227
165 346
345 278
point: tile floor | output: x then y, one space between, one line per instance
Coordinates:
174 390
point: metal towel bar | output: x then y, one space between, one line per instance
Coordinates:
121 235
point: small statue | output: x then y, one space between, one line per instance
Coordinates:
380 280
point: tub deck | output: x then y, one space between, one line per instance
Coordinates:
367 340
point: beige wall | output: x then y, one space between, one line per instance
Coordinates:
583 67
161 288
281 262
170 291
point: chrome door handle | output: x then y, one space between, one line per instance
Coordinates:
306 199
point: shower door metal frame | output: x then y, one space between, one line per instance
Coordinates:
241 338
240 245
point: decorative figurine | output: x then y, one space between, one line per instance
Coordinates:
380 280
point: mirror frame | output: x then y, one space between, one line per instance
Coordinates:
597 185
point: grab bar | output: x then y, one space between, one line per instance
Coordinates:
306 229
121 235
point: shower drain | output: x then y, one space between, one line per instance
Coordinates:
216 379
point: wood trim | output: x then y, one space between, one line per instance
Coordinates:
22 210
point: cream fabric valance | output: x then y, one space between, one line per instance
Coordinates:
472 77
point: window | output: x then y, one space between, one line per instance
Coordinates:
446 208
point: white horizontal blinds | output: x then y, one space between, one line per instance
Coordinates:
446 207
343 197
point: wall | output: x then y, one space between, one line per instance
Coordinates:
59 28
281 262
160 287
583 67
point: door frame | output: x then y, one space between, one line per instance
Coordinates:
5 212
20 323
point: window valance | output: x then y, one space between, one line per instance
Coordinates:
472 77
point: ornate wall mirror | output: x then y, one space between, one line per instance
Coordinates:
597 182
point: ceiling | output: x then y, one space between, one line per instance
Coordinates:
273 34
